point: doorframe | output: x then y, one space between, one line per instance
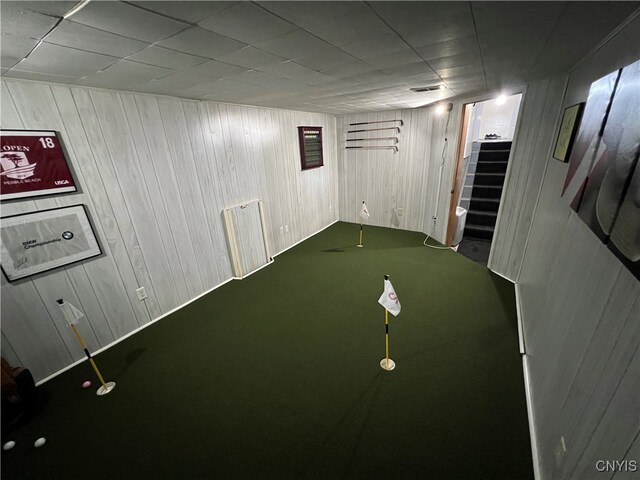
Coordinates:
456 185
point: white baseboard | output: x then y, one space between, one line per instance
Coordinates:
519 317
305 238
532 426
133 332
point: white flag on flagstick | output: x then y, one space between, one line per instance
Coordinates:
71 313
364 213
389 299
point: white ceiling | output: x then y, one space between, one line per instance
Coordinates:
332 57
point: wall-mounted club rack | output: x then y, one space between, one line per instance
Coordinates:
368 146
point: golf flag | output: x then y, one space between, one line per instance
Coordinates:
389 299
71 313
364 213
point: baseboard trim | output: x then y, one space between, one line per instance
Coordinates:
532 426
305 238
519 317
139 329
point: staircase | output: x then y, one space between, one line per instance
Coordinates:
492 159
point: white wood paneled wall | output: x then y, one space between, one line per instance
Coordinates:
155 173
406 180
580 307
535 135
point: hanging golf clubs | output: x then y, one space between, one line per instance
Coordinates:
355 142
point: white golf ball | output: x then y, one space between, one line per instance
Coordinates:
9 445
39 442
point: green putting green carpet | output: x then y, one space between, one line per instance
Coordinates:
277 377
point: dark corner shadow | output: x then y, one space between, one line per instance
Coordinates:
373 386
507 294
130 359
338 249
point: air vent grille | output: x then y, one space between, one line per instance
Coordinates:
427 89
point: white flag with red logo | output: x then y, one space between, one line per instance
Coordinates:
364 213
389 299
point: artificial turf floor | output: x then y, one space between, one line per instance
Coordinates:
277 376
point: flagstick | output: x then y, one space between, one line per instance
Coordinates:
361 227
386 336
86 351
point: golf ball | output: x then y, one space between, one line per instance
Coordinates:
39 442
86 384
9 445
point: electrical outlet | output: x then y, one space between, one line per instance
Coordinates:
281 230
561 449
142 293
400 211
286 229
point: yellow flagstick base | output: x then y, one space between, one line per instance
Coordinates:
386 363
106 387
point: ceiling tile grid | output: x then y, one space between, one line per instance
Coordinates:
328 56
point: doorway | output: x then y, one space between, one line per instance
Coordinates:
483 155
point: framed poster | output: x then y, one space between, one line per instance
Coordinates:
40 241
310 147
567 133
33 163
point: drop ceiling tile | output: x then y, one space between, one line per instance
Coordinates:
128 21
124 74
326 58
54 9
377 46
395 59
302 13
213 68
452 61
248 23
421 36
466 71
57 60
491 16
349 28
251 57
82 37
19 20
412 15
293 71
41 77
409 69
293 45
163 57
347 69
205 43
15 48
187 11
175 82
457 46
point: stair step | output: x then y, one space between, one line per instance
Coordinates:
489 178
492 167
484 218
484 204
493 156
478 231
487 191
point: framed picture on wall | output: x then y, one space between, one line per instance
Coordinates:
33 163
40 241
310 147
567 133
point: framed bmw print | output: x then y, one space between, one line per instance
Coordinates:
33 163
40 241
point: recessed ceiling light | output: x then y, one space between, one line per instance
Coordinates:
501 100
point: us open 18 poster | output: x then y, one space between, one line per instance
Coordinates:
32 164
